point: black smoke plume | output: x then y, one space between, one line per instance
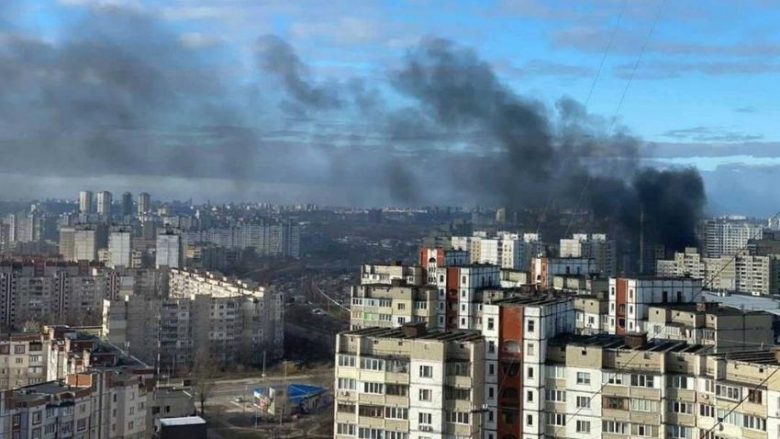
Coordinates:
510 150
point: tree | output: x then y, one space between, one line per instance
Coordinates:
204 369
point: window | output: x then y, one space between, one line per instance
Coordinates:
530 350
424 418
345 408
555 395
583 378
529 396
615 427
681 407
728 392
345 429
754 422
376 388
19 349
707 411
371 364
642 430
680 382
426 395
755 396
36 418
530 372
642 381
396 413
490 323
679 432
531 325
426 372
556 372
491 347
644 405
458 417
582 427
397 389
346 384
371 411
557 419
583 402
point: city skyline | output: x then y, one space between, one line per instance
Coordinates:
249 129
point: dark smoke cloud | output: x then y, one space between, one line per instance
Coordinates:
506 149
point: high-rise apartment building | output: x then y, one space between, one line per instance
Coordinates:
85 202
630 299
233 321
120 248
104 200
595 246
96 404
409 382
741 272
268 238
127 205
505 249
727 236
169 250
144 204
394 305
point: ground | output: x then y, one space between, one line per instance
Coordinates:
229 418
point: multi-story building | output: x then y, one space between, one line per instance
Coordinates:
609 386
724 328
120 248
144 204
85 202
391 306
461 291
97 404
127 205
169 250
630 299
409 382
516 331
591 313
727 236
267 238
232 320
104 200
595 246
37 357
504 249
545 269
387 273
741 272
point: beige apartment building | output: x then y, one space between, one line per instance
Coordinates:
608 386
408 382
390 306
387 273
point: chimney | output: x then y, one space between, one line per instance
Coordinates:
636 340
413 330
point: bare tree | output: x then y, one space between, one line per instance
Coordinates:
204 369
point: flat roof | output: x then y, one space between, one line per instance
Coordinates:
531 300
433 335
186 420
611 341
757 356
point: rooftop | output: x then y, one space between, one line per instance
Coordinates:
433 335
610 341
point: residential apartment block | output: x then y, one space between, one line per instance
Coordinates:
408 382
740 272
234 321
391 306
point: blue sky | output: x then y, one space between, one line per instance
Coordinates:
705 77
